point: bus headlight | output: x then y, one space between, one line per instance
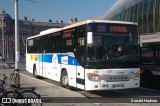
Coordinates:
93 77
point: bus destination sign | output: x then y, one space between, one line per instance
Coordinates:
120 29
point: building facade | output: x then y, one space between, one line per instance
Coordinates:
26 29
145 12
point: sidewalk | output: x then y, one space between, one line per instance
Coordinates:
43 88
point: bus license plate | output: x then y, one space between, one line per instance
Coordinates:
118 85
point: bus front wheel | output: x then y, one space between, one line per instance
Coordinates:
64 79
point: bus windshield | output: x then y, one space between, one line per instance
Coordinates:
115 48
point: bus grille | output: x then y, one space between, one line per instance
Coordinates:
116 78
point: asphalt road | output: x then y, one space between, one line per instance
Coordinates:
111 96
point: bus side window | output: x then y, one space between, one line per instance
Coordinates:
49 44
56 44
69 40
69 45
43 44
80 44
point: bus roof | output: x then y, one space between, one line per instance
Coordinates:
110 21
48 31
45 32
52 30
98 21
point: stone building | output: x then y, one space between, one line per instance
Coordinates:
26 28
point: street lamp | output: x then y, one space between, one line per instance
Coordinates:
17 58
17 53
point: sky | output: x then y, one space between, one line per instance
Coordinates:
43 10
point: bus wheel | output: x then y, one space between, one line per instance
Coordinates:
64 79
34 71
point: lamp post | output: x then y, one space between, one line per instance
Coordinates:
17 58
17 52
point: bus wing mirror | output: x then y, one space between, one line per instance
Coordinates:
89 37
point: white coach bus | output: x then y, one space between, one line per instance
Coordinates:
90 55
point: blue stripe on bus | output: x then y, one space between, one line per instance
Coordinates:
45 58
48 58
